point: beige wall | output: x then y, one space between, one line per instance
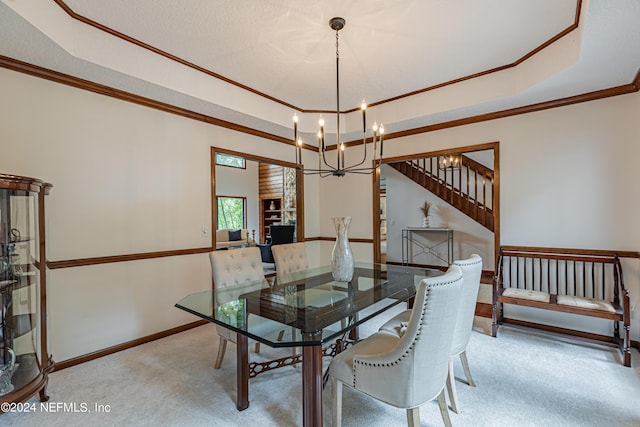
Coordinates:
568 178
129 179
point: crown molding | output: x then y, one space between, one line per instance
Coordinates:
66 79
69 11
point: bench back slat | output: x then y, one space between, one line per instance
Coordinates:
562 274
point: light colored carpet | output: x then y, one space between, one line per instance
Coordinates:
524 379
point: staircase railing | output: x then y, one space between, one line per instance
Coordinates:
468 188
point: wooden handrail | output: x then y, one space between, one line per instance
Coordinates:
470 200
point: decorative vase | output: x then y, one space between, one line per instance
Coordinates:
272 206
425 221
341 256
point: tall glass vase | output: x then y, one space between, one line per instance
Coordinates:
341 256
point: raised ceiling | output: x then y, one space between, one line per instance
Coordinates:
480 56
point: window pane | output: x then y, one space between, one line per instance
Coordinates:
227 160
231 213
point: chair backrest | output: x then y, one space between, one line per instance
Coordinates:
236 266
415 370
281 233
471 272
289 258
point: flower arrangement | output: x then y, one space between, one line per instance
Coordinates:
425 208
425 211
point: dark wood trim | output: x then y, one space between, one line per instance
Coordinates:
496 202
81 262
256 158
208 72
214 202
480 311
40 72
126 345
560 331
483 310
455 150
333 239
66 79
562 102
167 55
517 62
375 214
574 251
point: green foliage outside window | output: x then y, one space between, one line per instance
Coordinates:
228 160
231 213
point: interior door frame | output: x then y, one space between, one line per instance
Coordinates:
253 157
495 146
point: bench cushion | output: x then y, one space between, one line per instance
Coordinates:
582 302
526 294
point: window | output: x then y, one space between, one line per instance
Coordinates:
229 160
231 212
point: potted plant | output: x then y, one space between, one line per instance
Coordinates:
425 212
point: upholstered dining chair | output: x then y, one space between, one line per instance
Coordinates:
232 268
409 368
471 271
289 258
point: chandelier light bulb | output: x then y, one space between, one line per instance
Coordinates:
340 169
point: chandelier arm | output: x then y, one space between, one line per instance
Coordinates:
340 169
327 164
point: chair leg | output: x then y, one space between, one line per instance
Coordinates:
222 347
280 335
442 403
451 388
413 417
336 392
465 366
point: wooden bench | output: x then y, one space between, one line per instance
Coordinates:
584 282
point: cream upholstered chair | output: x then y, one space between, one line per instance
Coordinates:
289 258
471 271
409 368
237 267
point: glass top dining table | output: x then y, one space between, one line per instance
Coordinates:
312 308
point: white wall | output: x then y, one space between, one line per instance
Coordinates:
130 179
568 178
127 179
235 182
404 197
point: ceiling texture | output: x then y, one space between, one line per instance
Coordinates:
255 62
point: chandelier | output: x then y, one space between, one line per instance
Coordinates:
339 168
450 162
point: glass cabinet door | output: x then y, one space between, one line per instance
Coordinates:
24 364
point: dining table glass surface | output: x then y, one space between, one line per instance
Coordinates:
309 303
